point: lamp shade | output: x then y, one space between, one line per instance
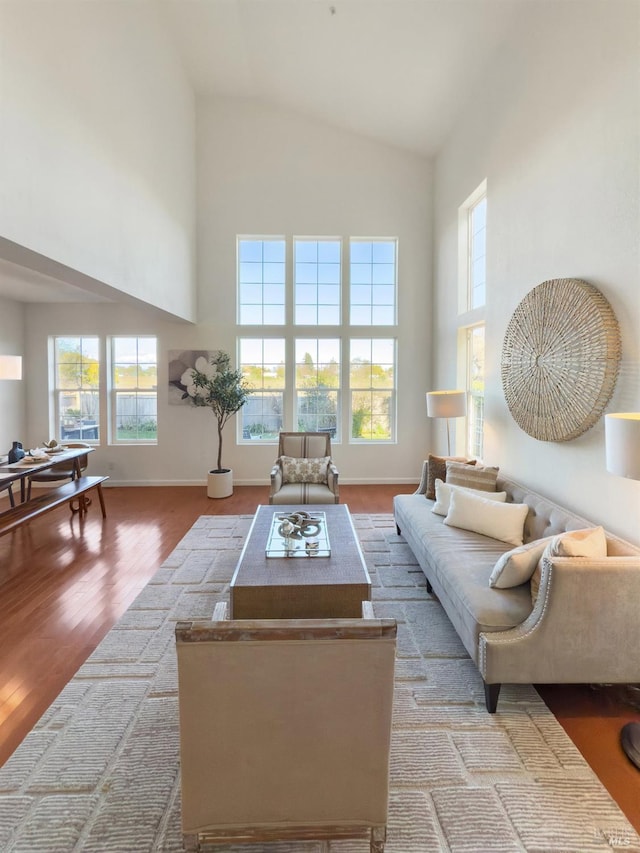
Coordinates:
446 404
622 442
10 367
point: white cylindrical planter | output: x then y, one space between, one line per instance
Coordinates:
220 483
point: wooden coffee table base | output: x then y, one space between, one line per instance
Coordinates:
301 587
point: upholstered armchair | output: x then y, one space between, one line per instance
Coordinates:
304 472
285 728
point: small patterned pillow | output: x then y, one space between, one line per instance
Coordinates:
295 470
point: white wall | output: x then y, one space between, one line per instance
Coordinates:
265 172
97 168
555 131
12 393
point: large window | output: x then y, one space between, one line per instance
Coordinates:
318 385
373 282
77 387
261 282
478 253
134 384
372 378
317 282
298 379
262 362
473 292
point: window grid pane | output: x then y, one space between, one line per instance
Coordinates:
477 253
77 391
372 370
261 282
317 371
317 277
262 362
475 378
134 377
373 278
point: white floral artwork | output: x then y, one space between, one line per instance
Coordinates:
181 363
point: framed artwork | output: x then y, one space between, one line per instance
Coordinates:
179 362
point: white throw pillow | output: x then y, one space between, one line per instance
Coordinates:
443 497
517 566
504 521
298 470
587 542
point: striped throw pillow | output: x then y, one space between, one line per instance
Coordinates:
482 478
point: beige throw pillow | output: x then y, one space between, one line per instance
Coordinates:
443 497
312 470
517 566
437 470
481 478
588 542
504 521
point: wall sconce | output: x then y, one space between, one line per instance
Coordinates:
622 445
10 367
446 404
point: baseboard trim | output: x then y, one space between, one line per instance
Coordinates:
390 481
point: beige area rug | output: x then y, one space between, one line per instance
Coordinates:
100 771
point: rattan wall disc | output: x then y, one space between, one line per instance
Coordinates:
560 359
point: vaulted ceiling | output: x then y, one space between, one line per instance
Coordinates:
397 71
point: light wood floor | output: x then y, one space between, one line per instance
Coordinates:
64 582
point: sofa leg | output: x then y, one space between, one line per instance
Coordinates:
429 587
398 531
491 693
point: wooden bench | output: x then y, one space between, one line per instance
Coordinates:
67 493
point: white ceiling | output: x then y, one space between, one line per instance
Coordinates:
395 70
398 71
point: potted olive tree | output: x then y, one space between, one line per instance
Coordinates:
214 384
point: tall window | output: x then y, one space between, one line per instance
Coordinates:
475 389
478 253
262 362
134 384
473 292
373 282
372 377
77 387
317 282
318 385
261 282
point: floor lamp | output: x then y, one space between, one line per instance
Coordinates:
622 442
446 404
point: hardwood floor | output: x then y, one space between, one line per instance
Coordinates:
64 581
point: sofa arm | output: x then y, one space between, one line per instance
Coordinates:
584 628
424 478
276 479
332 479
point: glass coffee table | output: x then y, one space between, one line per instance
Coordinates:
319 573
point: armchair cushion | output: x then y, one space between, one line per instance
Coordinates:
301 470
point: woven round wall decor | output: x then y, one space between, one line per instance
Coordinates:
560 359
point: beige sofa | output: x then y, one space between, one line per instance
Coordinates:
585 625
